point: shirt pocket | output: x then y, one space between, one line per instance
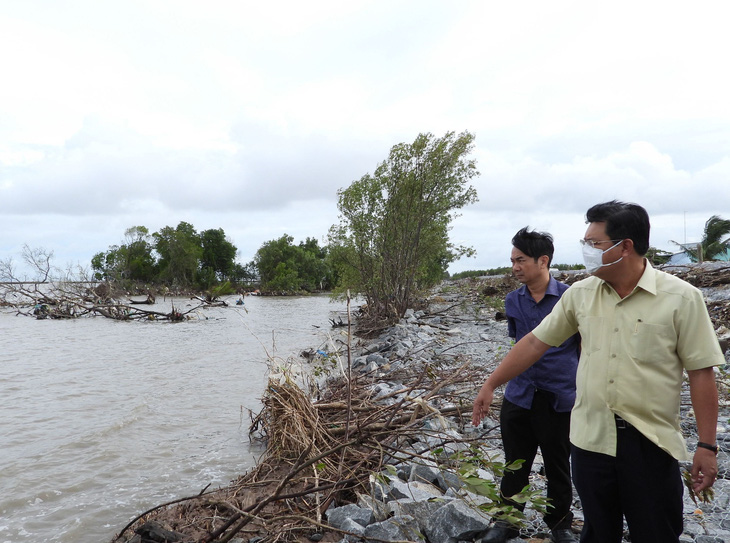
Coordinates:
652 343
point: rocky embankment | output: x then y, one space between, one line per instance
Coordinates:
406 436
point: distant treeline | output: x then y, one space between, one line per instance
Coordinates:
508 269
181 258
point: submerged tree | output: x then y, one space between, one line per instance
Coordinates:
392 240
180 251
52 293
131 260
219 254
283 266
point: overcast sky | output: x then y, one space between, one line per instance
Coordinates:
249 116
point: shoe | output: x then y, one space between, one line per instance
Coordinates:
563 536
501 532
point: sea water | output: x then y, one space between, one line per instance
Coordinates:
103 419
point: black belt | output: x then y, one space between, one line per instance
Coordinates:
621 424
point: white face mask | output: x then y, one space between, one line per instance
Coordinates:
593 258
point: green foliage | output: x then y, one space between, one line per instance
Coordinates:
481 273
392 239
180 251
286 267
715 244
495 303
178 256
244 274
657 257
218 253
507 270
133 260
566 267
469 465
705 496
224 289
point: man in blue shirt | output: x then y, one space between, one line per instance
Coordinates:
536 406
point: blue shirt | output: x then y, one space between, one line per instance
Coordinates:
555 371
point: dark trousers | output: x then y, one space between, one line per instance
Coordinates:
523 431
641 483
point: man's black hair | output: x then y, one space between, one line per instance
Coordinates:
623 221
534 244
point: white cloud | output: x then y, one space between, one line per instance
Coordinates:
249 116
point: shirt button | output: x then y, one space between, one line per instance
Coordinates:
615 329
610 381
613 356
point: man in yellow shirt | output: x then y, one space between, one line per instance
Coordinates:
640 330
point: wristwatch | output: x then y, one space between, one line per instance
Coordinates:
713 448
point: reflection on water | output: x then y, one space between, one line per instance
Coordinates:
103 419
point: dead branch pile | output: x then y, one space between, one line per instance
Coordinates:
318 453
719 313
702 277
75 299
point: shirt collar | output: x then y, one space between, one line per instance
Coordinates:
551 290
647 281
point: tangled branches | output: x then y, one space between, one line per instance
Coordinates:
320 453
74 299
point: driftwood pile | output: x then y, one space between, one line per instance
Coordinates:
319 454
718 277
76 299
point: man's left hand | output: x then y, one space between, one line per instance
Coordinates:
704 469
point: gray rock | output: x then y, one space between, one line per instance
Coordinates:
413 491
426 472
379 508
439 424
395 529
355 529
376 346
455 521
377 358
430 473
419 510
338 516
382 389
450 441
692 529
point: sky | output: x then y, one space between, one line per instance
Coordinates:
250 116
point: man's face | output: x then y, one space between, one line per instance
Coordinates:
596 233
524 267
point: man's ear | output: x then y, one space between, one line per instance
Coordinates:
628 245
544 260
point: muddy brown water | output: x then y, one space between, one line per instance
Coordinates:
102 420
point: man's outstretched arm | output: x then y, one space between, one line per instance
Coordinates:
524 354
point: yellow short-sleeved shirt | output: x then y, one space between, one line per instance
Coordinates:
633 353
